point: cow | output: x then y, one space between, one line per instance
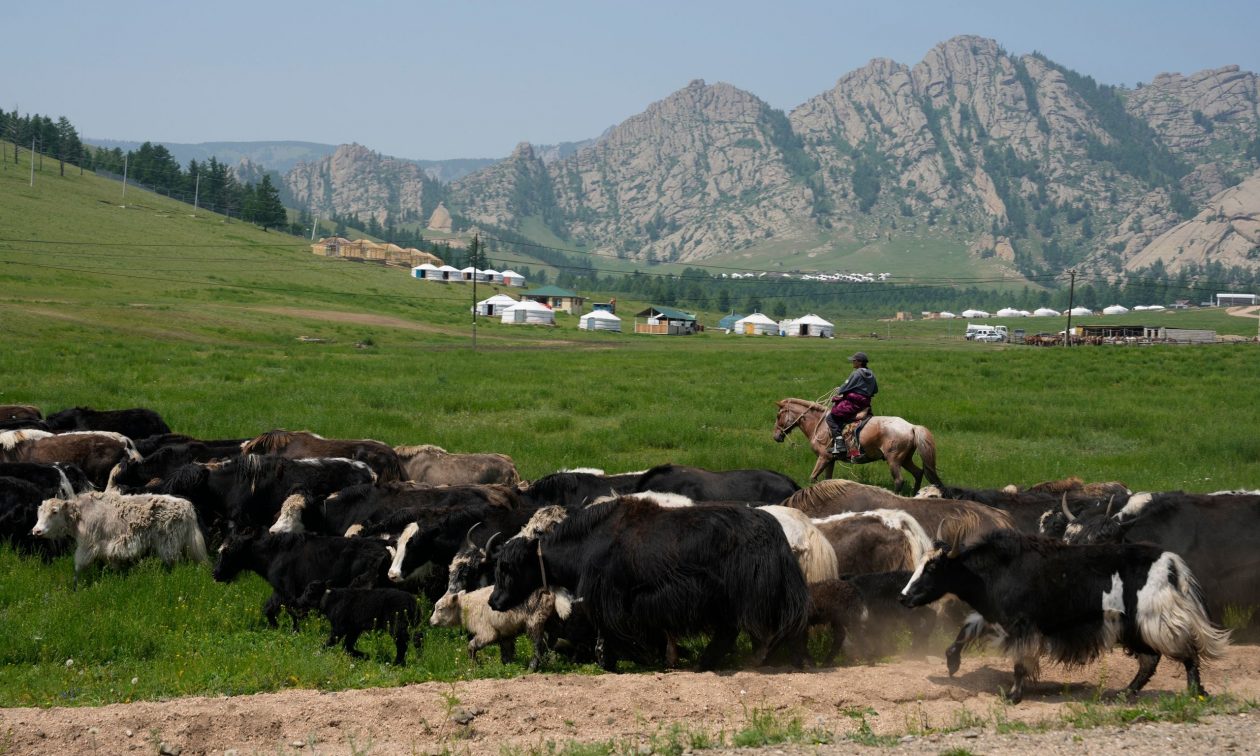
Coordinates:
762 486
436 466
121 529
485 626
437 541
814 553
387 507
648 575
155 466
879 540
133 423
247 491
95 452
354 611
1215 534
222 448
1028 509
21 417
291 562
576 488
838 605
883 614
20 413
1072 603
836 496
303 444
472 567
19 511
54 479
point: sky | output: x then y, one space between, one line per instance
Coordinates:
431 80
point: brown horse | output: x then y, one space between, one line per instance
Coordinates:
884 437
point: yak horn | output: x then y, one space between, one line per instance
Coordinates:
468 536
1067 512
490 543
1110 501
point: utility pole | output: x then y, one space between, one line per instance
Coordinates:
32 161
314 225
475 249
196 192
125 159
1067 334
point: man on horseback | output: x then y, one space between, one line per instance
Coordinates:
849 401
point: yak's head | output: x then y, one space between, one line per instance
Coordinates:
53 520
518 573
931 579
234 555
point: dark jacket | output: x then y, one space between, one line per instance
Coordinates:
860 381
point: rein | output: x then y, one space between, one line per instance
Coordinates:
543 568
822 417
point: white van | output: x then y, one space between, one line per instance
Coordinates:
978 332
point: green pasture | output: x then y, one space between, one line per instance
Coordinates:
204 321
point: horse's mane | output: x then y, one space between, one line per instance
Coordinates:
267 443
816 496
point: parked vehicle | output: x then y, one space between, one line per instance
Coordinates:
980 332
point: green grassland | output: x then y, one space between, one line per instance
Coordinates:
200 319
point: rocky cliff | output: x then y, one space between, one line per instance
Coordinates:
1227 232
971 142
355 181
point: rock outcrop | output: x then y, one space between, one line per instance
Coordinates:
358 182
1227 231
971 142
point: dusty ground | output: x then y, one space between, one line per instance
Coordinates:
906 697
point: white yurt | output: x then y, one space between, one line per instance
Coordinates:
1155 308
1140 308
1045 312
472 274
946 315
512 278
1115 310
810 325
530 313
492 275
974 314
448 273
599 320
425 272
495 305
1009 312
1077 312
756 325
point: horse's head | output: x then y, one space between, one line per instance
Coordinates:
789 417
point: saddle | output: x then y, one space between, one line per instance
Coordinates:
851 432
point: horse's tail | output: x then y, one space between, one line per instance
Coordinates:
926 446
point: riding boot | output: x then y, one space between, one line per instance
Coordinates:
837 445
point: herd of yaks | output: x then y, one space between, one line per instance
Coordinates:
608 567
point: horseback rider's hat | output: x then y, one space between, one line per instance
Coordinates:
859 357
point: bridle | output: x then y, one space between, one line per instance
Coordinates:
781 433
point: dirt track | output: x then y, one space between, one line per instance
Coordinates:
906 696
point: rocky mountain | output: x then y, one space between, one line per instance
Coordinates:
1227 232
355 181
1021 159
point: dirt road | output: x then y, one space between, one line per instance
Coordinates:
901 697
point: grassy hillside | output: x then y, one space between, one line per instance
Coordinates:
200 319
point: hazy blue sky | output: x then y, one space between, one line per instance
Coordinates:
471 79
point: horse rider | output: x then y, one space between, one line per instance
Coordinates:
849 400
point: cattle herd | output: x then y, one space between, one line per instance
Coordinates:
603 568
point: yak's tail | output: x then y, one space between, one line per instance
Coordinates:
926 446
1172 618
